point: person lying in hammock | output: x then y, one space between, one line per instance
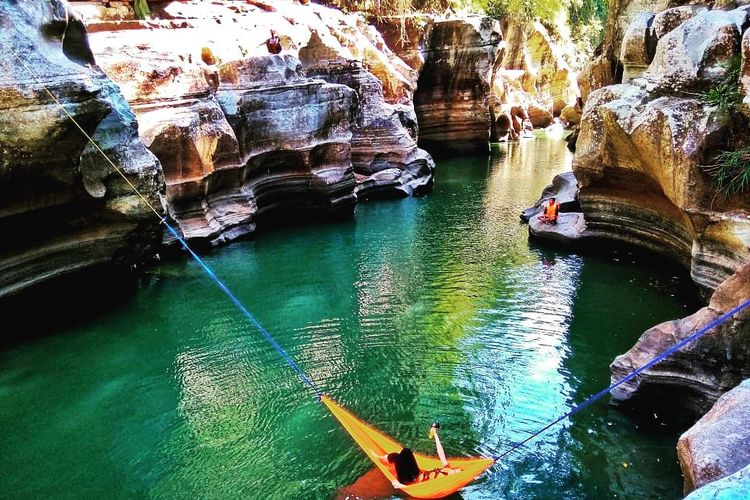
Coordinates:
405 464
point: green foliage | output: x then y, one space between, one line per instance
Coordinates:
526 10
394 7
586 17
141 8
725 96
732 172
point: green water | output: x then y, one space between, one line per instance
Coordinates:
416 310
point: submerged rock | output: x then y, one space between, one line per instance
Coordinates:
692 379
718 445
65 208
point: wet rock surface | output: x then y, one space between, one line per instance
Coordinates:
64 207
692 379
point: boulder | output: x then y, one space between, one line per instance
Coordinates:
539 115
570 228
692 379
638 163
718 445
732 487
564 188
694 56
65 208
638 47
571 115
670 19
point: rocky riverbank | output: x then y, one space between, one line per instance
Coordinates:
217 131
644 166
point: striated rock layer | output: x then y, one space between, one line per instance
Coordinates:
241 132
642 147
718 445
693 378
385 155
452 94
64 208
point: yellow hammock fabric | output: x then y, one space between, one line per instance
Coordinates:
375 444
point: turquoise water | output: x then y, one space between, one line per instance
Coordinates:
416 310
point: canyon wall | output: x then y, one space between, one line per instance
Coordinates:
644 147
64 208
240 132
646 165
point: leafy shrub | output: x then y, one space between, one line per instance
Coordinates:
725 96
731 172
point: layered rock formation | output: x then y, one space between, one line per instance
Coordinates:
693 378
385 155
245 132
718 445
452 94
471 78
641 150
64 207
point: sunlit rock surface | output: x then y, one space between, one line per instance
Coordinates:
692 379
638 162
718 445
452 94
385 155
546 76
64 207
253 132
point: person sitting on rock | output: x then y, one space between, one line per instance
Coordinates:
550 210
273 44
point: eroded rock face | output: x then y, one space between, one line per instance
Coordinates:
451 100
254 132
693 378
638 46
64 207
385 156
638 166
694 55
718 445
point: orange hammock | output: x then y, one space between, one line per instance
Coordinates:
375 444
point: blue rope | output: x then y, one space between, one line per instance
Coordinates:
721 319
301 374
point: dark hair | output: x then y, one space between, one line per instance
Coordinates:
407 470
392 457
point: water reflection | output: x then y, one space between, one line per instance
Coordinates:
435 308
